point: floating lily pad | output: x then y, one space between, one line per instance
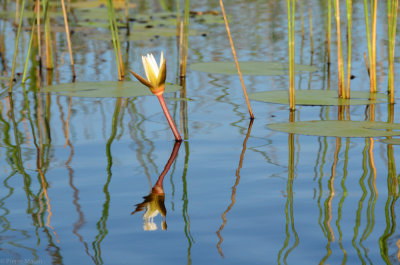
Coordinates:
106 89
394 141
92 14
142 33
27 14
250 68
101 3
338 128
317 97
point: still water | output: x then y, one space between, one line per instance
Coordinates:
74 170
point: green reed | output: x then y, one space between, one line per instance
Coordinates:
184 40
291 6
370 24
344 83
16 46
329 31
47 39
341 85
115 38
349 7
392 6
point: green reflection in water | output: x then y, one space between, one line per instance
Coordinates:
328 231
290 229
101 225
385 241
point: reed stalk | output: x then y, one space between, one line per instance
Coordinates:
311 31
392 28
184 40
329 30
68 38
39 39
371 40
29 49
236 60
16 46
349 8
291 5
341 87
48 41
115 39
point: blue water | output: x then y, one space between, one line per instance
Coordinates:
73 169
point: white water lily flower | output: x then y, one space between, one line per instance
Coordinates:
155 74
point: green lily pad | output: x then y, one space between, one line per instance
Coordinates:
143 34
317 97
250 68
338 128
394 141
106 89
27 14
100 3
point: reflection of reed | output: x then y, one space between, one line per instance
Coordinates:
393 187
81 218
102 223
290 227
185 200
233 200
328 203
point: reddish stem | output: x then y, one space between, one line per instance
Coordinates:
169 118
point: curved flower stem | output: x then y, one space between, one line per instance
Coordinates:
169 118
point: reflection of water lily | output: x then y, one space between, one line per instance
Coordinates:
156 75
153 205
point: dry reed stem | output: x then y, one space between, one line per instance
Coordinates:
68 37
341 88
311 32
236 60
39 39
291 6
373 46
349 5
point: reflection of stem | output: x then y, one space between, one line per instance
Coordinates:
233 200
344 194
81 220
44 186
289 206
328 203
102 223
185 204
169 163
390 212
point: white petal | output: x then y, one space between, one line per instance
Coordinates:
153 64
161 59
144 61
